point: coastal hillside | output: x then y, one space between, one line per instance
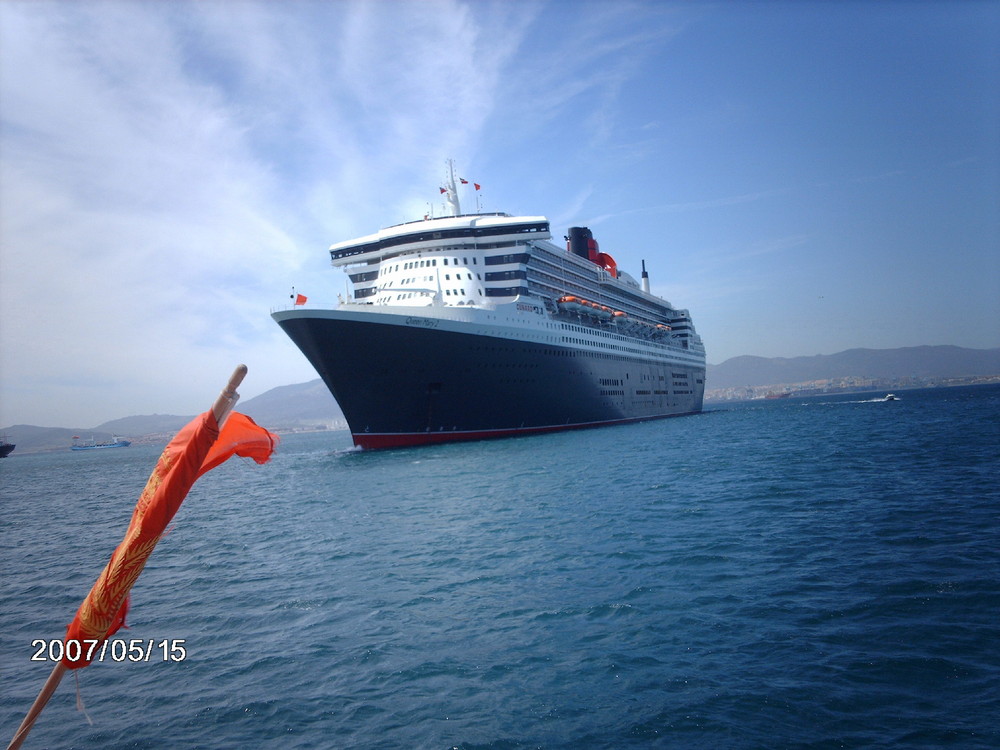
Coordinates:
301 406
307 406
304 406
920 362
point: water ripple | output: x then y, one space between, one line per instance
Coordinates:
821 573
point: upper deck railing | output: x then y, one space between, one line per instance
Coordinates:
431 234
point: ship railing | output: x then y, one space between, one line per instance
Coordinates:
460 216
608 327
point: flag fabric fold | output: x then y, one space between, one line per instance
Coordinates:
198 448
240 436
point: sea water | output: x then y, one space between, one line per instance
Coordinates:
820 572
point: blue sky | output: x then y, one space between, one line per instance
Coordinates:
804 177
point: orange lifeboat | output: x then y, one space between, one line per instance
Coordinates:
569 303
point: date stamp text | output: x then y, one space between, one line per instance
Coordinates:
135 650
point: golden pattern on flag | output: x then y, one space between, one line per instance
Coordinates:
196 449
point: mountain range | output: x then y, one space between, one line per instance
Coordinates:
306 406
309 405
928 362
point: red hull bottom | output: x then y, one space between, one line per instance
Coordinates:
384 440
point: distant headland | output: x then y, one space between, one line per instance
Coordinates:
309 406
745 378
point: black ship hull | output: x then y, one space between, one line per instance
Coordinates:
406 384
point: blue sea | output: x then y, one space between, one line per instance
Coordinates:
803 573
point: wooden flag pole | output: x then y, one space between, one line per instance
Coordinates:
220 410
228 398
36 708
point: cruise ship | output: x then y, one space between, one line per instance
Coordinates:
477 326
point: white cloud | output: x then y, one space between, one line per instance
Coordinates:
169 171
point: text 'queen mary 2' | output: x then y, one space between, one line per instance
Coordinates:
475 326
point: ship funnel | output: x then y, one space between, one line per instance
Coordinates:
645 278
579 241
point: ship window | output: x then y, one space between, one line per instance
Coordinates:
506 275
447 277
446 261
495 260
448 292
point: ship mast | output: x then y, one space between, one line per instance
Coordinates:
452 191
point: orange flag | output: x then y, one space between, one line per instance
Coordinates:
199 447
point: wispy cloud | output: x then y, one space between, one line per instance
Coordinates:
880 176
703 205
584 65
731 200
170 170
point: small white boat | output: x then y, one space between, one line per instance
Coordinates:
890 397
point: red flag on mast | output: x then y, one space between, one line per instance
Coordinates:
199 447
300 299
